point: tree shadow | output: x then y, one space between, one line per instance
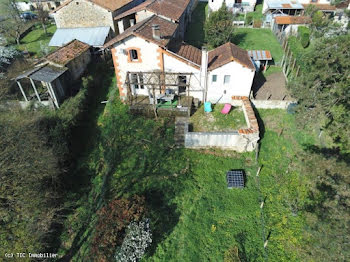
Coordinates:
163 215
238 38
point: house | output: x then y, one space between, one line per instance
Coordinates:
151 62
175 11
88 19
55 73
289 24
296 7
233 5
47 5
282 7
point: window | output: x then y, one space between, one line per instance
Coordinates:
214 78
136 81
182 81
134 56
227 79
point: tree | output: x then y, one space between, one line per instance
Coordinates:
323 91
328 208
136 241
13 25
43 15
218 28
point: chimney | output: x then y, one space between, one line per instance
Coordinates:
132 22
204 72
156 32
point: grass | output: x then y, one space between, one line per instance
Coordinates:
216 121
194 216
34 39
271 70
195 30
246 38
258 39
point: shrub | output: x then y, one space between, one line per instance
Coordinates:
135 243
304 35
111 225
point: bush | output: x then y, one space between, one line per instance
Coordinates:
113 220
304 35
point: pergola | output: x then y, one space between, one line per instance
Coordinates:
46 74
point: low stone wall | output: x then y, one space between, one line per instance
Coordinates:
272 104
242 140
148 111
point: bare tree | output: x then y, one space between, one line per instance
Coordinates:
13 25
43 15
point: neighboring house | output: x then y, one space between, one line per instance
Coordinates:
92 17
149 61
55 73
175 11
289 24
47 5
295 7
234 5
282 7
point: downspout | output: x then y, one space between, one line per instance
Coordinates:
204 73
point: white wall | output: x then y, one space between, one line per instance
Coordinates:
172 64
148 54
241 80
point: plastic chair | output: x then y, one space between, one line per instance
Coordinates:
226 109
207 107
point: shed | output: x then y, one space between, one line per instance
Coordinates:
260 57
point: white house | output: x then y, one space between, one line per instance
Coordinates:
149 61
234 5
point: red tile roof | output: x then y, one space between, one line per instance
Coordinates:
167 8
143 29
292 20
68 52
186 51
110 5
227 53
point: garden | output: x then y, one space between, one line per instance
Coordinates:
215 121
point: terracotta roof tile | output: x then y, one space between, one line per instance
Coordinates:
68 52
186 51
292 20
169 8
227 53
143 29
110 5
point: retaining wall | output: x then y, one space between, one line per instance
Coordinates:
272 104
242 140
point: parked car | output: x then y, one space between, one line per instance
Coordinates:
28 16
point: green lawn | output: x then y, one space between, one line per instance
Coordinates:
216 121
258 39
246 38
36 38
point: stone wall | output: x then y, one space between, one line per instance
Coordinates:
82 13
272 104
242 140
